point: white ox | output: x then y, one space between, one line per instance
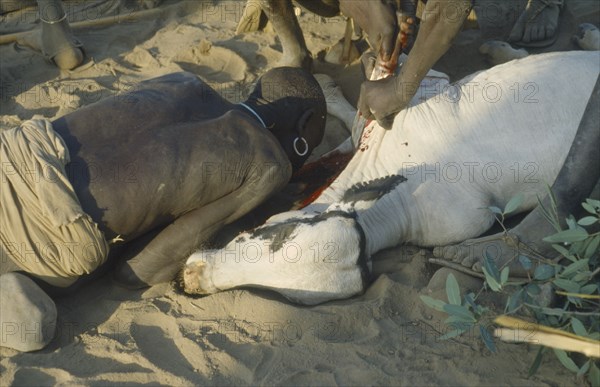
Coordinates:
474 144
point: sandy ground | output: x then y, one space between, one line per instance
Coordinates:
110 335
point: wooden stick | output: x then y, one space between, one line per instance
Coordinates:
522 331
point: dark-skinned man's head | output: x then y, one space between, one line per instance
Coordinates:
295 102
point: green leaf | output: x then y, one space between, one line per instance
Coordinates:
593 205
565 360
458 323
552 312
488 340
571 222
582 276
533 290
578 327
451 334
514 301
568 285
543 272
587 221
592 247
588 289
573 268
552 320
452 290
433 303
514 203
584 368
495 210
563 251
470 299
567 236
575 301
504 275
492 275
491 281
589 208
536 362
593 202
594 375
490 265
459 311
525 262
551 218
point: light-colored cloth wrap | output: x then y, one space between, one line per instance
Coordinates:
43 228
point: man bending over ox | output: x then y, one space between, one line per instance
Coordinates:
161 168
426 180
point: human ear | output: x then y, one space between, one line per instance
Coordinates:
302 125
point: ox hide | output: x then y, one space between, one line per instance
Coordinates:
457 150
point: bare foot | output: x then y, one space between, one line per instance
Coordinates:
60 45
536 27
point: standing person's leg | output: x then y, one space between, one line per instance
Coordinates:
537 25
58 42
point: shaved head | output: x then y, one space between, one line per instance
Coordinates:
294 96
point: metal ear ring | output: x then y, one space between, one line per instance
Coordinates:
296 146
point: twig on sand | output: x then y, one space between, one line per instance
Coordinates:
457 267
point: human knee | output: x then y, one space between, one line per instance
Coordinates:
82 252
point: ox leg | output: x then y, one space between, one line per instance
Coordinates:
58 43
281 14
574 183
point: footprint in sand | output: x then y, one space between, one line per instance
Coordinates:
213 64
164 347
34 376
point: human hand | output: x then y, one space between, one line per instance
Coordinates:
379 100
377 19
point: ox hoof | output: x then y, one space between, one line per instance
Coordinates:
502 249
497 52
27 314
196 279
588 37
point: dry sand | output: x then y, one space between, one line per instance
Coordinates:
110 335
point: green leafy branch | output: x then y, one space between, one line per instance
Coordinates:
573 276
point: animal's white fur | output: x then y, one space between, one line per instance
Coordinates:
444 135
588 37
498 52
310 268
507 133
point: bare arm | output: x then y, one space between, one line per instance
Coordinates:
441 22
161 259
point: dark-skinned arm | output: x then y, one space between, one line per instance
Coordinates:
441 22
